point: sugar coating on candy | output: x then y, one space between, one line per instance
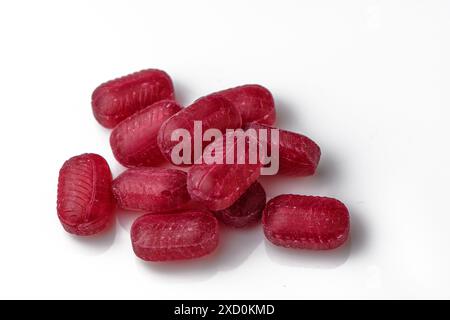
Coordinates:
306 222
150 189
134 140
298 154
214 112
84 202
176 236
247 210
254 102
118 99
218 186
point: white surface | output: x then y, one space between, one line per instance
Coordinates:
368 80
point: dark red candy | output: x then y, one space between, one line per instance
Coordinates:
118 99
218 186
133 141
255 103
181 235
246 210
306 222
85 203
150 189
298 155
214 112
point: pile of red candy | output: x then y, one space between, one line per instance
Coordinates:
183 206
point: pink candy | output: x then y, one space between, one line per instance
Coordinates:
115 100
214 112
218 186
254 102
133 141
181 235
306 222
298 155
246 210
150 190
85 204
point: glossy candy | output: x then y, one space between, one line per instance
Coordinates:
218 186
254 102
306 222
246 210
118 99
134 140
150 189
181 235
298 155
214 112
85 204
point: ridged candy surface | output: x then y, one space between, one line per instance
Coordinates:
306 222
247 210
218 186
214 112
254 102
118 99
176 236
134 140
150 189
298 154
85 203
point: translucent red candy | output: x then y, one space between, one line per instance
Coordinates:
254 102
181 235
298 155
306 222
85 203
118 99
150 190
246 210
218 186
133 141
214 112
182 208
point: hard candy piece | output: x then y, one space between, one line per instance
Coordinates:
254 102
214 112
133 141
218 186
150 189
246 210
298 155
306 222
85 203
118 99
181 235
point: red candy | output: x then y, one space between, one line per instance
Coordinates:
214 112
246 210
85 204
298 155
181 235
150 190
133 141
118 99
254 102
306 222
218 186
150 127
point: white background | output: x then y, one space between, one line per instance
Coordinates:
368 80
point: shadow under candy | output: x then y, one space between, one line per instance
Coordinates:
285 115
99 243
230 254
318 259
